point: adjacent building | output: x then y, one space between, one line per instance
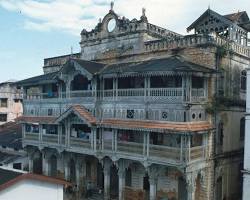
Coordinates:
17 184
12 154
143 112
10 102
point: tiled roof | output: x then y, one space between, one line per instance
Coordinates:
91 66
84 113
45 78
31 119
150 125
209 13
173 64
158 125
79 110
9 178
235 16
11 135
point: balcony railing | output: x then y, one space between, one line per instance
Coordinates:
32 136
130 147
165 152
150 94
197 153
107 145
50 138
133 150
198 94
80 143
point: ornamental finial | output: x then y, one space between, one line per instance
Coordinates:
143 12
112 5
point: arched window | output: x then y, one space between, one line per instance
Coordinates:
242 128
220 133
243 80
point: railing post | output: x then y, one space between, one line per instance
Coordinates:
115 140
23 131
144 143
181 150
40 133
59 134
94 138
189 148
148 140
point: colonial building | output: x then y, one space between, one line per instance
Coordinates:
10 102
143 112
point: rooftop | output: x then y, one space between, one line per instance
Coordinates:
10 177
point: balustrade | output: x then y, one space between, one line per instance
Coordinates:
130 147
149 94
50 138
80 143
107 145
198 94
165 152
31 136
197 153
154 152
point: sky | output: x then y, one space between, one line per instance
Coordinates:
31 30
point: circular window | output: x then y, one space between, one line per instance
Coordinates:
111 25
193 116
200 115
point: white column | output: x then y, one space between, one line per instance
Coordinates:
115 140
144 143
122 165
45 165
94 138
190 179
40 132
181 152
153 176
106 180
121 175
153 188
66 171
148 143
59 134
78 175
23 130
30 164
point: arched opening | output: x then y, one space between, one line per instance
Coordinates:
146 185
53 166
114 182
80 83
219 188
128 177
182 189
242 128
72 171
243 80
100 176
38 164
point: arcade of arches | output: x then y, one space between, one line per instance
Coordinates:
124 179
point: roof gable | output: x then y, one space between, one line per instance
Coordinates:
240 17
79 111
87 68
207 14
